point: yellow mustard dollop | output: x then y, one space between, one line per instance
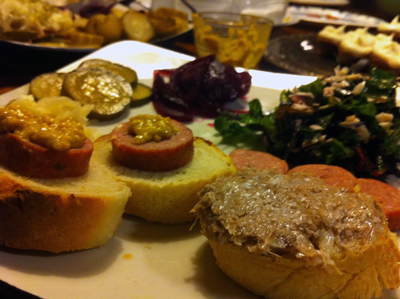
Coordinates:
150 128
43 130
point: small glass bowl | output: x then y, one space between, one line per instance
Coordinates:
235 39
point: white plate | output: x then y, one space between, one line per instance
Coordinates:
330 16
321 2
143 260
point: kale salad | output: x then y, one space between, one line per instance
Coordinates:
348 120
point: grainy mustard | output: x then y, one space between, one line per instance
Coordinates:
150 128
43 130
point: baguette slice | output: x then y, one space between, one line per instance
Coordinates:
364 272
59 215
293 236
168 197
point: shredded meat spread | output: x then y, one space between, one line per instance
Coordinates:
295 216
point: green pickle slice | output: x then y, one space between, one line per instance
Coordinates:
46 85
109 93
127 73
141 94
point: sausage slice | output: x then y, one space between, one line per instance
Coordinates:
32 160
387 195
331 175
165 155
243 158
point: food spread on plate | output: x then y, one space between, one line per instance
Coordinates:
387 195
296 237
40 23
317 221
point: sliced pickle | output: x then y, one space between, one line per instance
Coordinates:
125 72
109 93
47 85
141 94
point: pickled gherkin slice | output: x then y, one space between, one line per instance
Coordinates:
127 73
141 94
109 93
46 85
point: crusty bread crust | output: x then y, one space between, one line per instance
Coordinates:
59 215
168 197
364 272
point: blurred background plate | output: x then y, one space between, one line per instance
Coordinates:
298 55
155 41
28 46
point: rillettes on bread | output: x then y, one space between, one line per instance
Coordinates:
292 236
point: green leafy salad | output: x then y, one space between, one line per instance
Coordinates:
346 120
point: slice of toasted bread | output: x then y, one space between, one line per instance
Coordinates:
364 272
294 236
168 197
60 214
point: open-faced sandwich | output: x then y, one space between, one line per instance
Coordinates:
293 236
163 164
53 195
